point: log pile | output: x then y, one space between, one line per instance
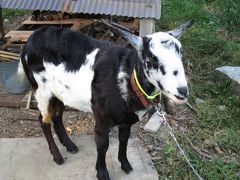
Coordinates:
77 22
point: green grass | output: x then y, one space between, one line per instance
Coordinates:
213 41
11 13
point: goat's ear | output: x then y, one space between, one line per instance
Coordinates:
135 41
178 32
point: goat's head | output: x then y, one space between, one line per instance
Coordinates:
161 57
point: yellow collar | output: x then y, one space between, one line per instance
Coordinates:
149 97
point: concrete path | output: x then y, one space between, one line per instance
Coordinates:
30 159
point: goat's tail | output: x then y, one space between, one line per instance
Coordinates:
24 72
20 72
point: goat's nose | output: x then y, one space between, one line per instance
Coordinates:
183 91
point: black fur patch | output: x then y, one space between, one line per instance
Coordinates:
147 72
44 79
162 69
170 43
164 42
159 84
146 52
181 51
28 72
151 60
121 80
177 48
67 87
175 73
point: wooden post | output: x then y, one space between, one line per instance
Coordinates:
1 22
29 99
147 26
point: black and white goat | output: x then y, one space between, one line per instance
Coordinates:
67 68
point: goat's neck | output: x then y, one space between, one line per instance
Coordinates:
146 85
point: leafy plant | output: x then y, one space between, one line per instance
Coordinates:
10 13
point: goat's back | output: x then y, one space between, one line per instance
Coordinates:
56 45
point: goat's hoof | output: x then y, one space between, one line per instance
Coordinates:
126 167
72 149
59 159
102 174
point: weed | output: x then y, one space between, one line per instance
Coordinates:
229 16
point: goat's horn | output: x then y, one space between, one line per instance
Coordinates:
178 32
126 33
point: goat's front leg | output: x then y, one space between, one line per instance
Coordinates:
124 133
102 142
46 127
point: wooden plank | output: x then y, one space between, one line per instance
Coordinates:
6 59
9 53
14 34
18 36
63 21
9 46
10 100
9 57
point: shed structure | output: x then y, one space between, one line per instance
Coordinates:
146 10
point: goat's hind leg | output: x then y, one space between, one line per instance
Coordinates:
46 127
43 98
58 108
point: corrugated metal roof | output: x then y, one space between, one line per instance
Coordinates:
54 5
129 8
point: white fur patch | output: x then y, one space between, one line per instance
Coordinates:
72 88
122 84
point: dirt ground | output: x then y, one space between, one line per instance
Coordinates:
20 122
24 123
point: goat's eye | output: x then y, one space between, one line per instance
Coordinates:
151 56
175 73
149 59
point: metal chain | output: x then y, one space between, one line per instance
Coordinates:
170 130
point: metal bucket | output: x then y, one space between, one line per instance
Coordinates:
9 78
